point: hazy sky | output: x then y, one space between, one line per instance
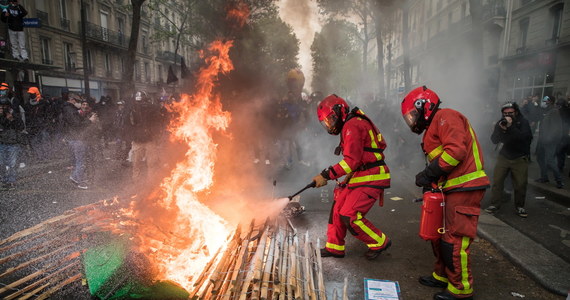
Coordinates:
303 16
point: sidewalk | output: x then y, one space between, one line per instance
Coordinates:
541 264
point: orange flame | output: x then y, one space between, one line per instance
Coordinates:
177 232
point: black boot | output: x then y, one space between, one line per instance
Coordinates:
326 253
372 254
432 282
445 295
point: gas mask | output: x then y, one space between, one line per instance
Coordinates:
3 93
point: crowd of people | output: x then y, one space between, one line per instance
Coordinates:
78 129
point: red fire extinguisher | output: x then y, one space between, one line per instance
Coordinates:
432 222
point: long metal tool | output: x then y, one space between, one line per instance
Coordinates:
310 185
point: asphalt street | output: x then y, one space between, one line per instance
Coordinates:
44 191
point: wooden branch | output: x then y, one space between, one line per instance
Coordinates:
59 286
35 260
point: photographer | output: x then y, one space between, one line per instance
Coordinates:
513 130
11 126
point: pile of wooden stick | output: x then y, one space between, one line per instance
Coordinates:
261 261
268 261
38 262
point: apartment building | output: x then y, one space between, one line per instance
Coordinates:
524 49
56 47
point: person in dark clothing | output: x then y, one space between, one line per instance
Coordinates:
550 135
146 125
564 146
120 133
37 123
513 130
14 15
76 127
11 126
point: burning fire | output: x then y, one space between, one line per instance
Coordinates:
176 232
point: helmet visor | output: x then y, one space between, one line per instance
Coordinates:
329 123
411 118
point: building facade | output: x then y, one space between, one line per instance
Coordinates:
524 49
57 42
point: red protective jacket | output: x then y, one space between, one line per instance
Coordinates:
450 138
362 147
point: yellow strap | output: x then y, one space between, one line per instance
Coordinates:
450 160
334 246
435 152
462 179
379 239
374 145
467 289
478 162
373 177
345 166
440 278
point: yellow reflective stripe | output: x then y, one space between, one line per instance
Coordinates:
462 179
478 163
374 145
345 166
435 152
379 239
467 289
334 246
440 278
373 177
449 159
379 137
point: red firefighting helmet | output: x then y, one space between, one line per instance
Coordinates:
332 112
418 108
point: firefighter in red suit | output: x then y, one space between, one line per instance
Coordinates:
367 175
456 166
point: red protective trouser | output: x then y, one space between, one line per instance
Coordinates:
348 213
452 253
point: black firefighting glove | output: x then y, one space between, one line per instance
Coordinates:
430 174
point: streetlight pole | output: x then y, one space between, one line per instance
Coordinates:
84 48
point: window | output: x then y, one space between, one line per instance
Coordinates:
144 42
104 25
147 72
531 83
159 73
556 14
64 20
46 52
523 26
68 56
90 62
108 68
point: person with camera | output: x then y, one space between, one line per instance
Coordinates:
513 131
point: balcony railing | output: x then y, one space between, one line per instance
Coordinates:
43 16
106 35
46 61
64 24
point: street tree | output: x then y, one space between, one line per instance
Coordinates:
336 54
128 74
